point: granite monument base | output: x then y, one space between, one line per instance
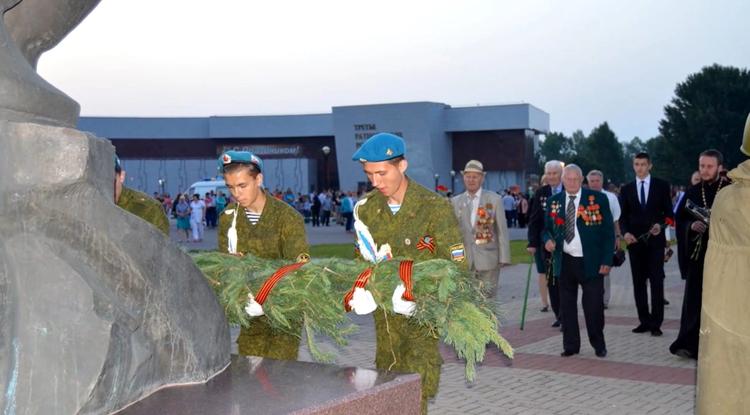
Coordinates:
254 385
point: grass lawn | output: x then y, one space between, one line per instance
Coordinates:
517 251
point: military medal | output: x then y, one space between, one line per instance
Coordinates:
485 224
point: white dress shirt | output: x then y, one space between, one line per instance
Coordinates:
646 186
614 205
474 205
575 247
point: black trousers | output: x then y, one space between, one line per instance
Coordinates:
315 217
542 259
553 287
647 264
571 275
690 320
349 217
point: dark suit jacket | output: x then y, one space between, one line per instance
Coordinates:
638 221
597 238
537 209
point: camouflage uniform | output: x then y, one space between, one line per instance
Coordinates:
279 234
145 207
422 214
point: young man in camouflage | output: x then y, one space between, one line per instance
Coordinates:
417 224
266 227
137 203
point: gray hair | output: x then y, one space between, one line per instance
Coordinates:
554 165
575 168
595 173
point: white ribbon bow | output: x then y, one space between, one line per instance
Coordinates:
400 305
232 232
365 242
253 308
363 378
362 301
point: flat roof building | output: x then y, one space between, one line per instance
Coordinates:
313 151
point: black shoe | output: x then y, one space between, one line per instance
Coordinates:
544 309
606 307
601 353
666 302
642 328
685 353
656 332
566 353
556 323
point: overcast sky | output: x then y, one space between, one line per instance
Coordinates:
583 62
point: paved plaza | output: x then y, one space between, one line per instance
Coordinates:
638 376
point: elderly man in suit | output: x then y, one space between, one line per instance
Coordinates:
483 226
579 232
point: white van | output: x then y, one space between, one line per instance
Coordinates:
205 186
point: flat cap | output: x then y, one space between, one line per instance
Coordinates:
380 147
241 157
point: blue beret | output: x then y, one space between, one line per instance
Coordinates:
380 147
242 157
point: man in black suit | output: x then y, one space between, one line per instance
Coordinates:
553 175
646 205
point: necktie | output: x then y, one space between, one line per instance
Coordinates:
570 219
643 194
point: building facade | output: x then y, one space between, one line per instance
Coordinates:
311 152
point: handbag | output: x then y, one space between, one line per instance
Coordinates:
618 258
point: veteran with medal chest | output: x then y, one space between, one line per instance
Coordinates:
483 226
410 221
579 232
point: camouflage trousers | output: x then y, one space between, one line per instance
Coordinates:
260 339
403 346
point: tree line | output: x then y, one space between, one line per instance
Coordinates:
708 111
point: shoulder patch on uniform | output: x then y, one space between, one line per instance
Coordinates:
228 211
457 252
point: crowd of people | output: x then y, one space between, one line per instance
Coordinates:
576 232
194 213
320 208
640 215
570 222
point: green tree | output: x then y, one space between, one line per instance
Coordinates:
600 150
635 146
556 146
708 111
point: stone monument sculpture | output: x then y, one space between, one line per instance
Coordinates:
97 308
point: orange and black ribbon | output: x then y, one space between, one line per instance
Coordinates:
405 272
426 242
361 282
267 286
